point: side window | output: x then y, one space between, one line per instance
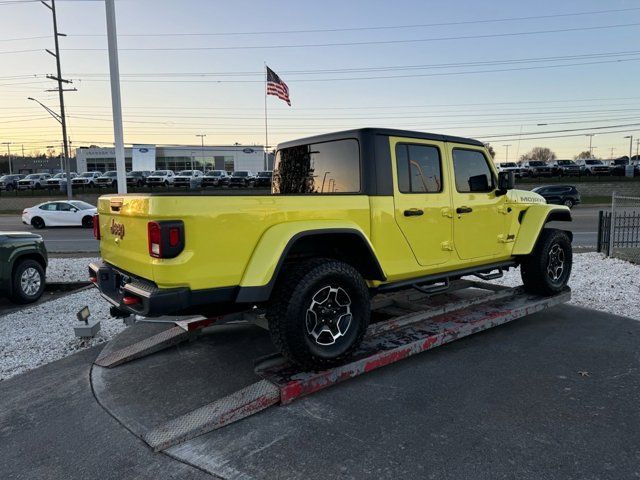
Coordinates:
63 207
326 168
472 171
49 207
418 168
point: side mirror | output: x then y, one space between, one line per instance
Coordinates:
506 181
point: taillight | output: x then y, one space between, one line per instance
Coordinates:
155 239
165 238
96 226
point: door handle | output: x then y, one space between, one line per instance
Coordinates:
464 210
413 212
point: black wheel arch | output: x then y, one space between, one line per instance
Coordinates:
344 244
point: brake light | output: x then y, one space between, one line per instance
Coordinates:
96 226
166 238
155 239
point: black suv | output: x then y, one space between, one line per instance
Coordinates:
137 178
565 167
263 179
10 182
537 168
567 195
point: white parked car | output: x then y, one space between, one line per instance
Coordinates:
59 179
188 178
160 177
71 213
509 167
108 179
33 181
86 179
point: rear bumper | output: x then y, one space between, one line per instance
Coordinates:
115 285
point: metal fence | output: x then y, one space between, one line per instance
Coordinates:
619 229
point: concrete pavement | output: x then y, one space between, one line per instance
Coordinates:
551 396
56 239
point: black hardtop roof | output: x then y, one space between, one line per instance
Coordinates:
390 132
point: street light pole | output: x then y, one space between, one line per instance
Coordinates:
506 159
8 144
202 135
116 100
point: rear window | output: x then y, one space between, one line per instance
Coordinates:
318 168
418 168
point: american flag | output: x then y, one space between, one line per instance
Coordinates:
275 86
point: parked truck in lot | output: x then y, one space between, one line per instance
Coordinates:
350 214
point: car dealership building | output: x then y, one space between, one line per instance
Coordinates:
176 158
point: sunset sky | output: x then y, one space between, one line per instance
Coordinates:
469 68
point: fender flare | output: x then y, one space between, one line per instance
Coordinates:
533 221
268 257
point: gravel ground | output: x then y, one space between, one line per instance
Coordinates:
605 284
44 333
68 269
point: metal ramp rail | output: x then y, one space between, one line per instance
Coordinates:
403 324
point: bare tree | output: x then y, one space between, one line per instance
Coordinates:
541 154
584 155
492 152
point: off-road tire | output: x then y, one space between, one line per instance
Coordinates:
37 223
18 294
535 267
297 287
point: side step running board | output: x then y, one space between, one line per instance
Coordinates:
490 276
439 287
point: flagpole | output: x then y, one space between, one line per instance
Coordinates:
266 128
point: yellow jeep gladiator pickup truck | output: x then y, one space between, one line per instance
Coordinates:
350 214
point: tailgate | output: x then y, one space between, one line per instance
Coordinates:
123 232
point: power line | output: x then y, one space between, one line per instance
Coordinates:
372 69
381 27
362 43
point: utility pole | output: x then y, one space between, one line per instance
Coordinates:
8 144
202 135
637 146
60 90
116 100
612 149
590 135
506 156
629 168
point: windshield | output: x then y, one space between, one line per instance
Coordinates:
185 173
536 164
81 205
58 175
87 174
33 176
214 173
508 164
265 174
110 174
565 162
593 162
159 173
240 174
